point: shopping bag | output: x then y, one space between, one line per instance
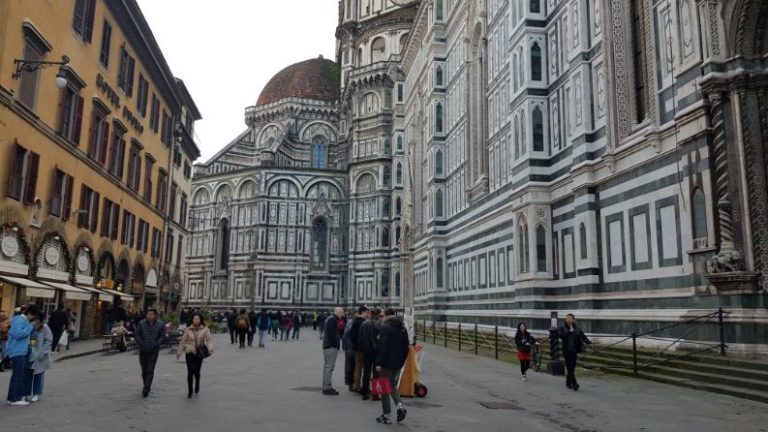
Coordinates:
64 340
381 386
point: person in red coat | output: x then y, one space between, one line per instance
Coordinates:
524 341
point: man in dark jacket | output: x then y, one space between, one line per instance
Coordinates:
58 323
369 343
333 330
252 330
263 324
573 340
362 315
149 335
231 319
390 359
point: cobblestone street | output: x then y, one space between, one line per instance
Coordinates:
277 389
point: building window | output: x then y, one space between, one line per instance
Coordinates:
22 178
536 62
400 93
162 190
30 79
541 249
439 79
126 71
397 284
129 227
583 241
523 251
98 135
142 241
439 118
319 152
538 129
88 213
385 283
110 220
319 245
439 203
172 202
154 114
117 153
399 173
169 249
70 115
141 97
183 213
385 237
439 272
535 6
378 50
166 134
61 195
638 52
400 143
439 162
82 19
700 233
134 167
106 44
156 240
187 170
439 10
398 206
149 163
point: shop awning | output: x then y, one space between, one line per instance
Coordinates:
102 295
117 293
34 289
73 293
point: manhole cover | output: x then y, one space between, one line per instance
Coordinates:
307 389
500 405
420 404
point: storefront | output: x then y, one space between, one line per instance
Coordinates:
74 300
28 291
151 292
14 267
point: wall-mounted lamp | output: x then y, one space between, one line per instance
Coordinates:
34 65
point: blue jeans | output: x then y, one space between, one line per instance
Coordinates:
34 383
18 378
263 338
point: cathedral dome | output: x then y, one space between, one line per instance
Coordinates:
317 79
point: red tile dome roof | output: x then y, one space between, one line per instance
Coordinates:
316 79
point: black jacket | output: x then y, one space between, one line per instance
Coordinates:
58 322
149 336
521 339
331 333
369 336
356 324
393 345
573 341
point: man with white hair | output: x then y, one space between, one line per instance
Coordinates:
333 329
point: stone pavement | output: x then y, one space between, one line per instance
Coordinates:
278 389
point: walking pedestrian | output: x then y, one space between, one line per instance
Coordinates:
231 324
39 358
252 327
17 349
296 325
243 326
149 336
5 324
390 359
333 329
524 342
285 326
195 337
263 324
362 315
58 323
349 354
275 327
573 341
369 343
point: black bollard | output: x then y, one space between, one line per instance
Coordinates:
556 367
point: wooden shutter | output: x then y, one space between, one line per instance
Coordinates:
70 184
15 174
64 113
115 223
105 223
79 16
77 119
55 204
89 18
95 216
131 68
82 217
33 163
93 139
104 142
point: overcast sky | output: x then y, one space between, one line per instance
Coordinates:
227 50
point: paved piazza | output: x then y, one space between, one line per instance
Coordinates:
277 389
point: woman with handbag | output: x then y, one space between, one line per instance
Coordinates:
524 342
197 344
574 341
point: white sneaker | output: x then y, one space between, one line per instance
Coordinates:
34 399
525 378
20 403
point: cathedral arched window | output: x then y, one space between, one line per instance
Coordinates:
439 10
523 254
385 283
535 6
399 143
439 272
398 206
403 42
222 245
439 118
385 237
386 208
378 50
399 173
319 245
439 203
639 55
699 215
319 152
439 78
397 235
541 248
536 62
439 162
518 142
397 284
387 176
515 79
538 129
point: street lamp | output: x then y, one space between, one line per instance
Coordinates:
34 65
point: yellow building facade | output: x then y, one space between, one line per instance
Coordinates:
86 151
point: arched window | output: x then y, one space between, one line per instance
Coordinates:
518 141
439 76
319 152
397 235
385 283
536 62
523 254
386 208
439 203
378 50
222 246
516 79
583 241
699 215
385 237
535 6
360 57
399 143
403 41
541 249
439 10
319 245
398 206
387 177
439 162
397 284
537 119
399 173
439 118
439 272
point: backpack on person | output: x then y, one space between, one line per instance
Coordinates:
242 323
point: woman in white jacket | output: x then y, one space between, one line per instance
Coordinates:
39 359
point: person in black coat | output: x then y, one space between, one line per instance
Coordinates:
392 352
58 323
149 336
573 341
362 315
524 341
369 342
231 318
333 330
